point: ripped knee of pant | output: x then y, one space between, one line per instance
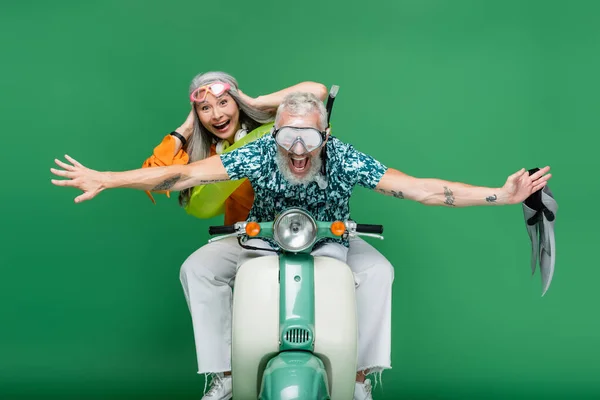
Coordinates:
376 372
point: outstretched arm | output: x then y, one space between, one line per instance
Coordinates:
175 177
438 192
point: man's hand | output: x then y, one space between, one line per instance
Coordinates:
90 181
521 185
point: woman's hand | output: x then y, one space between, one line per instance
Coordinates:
520 185
258 103
269 102
89 181
187 128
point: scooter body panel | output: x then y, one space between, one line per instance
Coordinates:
256 324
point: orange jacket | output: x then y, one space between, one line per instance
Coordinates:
237 206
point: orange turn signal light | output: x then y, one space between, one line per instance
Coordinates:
338 228
252 229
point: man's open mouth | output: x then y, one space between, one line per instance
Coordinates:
221 128
299 164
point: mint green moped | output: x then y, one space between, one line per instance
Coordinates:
294 329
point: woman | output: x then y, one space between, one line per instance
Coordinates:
220 114
211 128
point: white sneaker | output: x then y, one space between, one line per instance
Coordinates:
362 391
220 388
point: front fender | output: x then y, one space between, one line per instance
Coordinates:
294 375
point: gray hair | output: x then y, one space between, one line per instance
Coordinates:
301 104
198 145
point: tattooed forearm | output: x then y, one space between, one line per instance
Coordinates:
209 181
167 183
396 194
491 199
449 196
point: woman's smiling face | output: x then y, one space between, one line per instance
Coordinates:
219 115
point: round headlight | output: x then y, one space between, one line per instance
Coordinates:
295 230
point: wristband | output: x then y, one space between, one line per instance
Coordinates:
180 137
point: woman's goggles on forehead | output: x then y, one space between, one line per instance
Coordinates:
288 138
216 88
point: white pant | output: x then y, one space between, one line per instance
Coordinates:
208 275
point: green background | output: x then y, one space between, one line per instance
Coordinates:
90 301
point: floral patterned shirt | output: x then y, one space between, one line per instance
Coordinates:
346 167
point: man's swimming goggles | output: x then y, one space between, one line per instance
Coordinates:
216 88
309 138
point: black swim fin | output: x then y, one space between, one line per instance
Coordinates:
540 210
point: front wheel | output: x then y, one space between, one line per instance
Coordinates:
294 375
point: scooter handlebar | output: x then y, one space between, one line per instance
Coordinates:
366 228
229 229
221 229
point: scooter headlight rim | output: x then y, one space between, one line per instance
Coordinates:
295 230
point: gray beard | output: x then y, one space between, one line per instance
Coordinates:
311 176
